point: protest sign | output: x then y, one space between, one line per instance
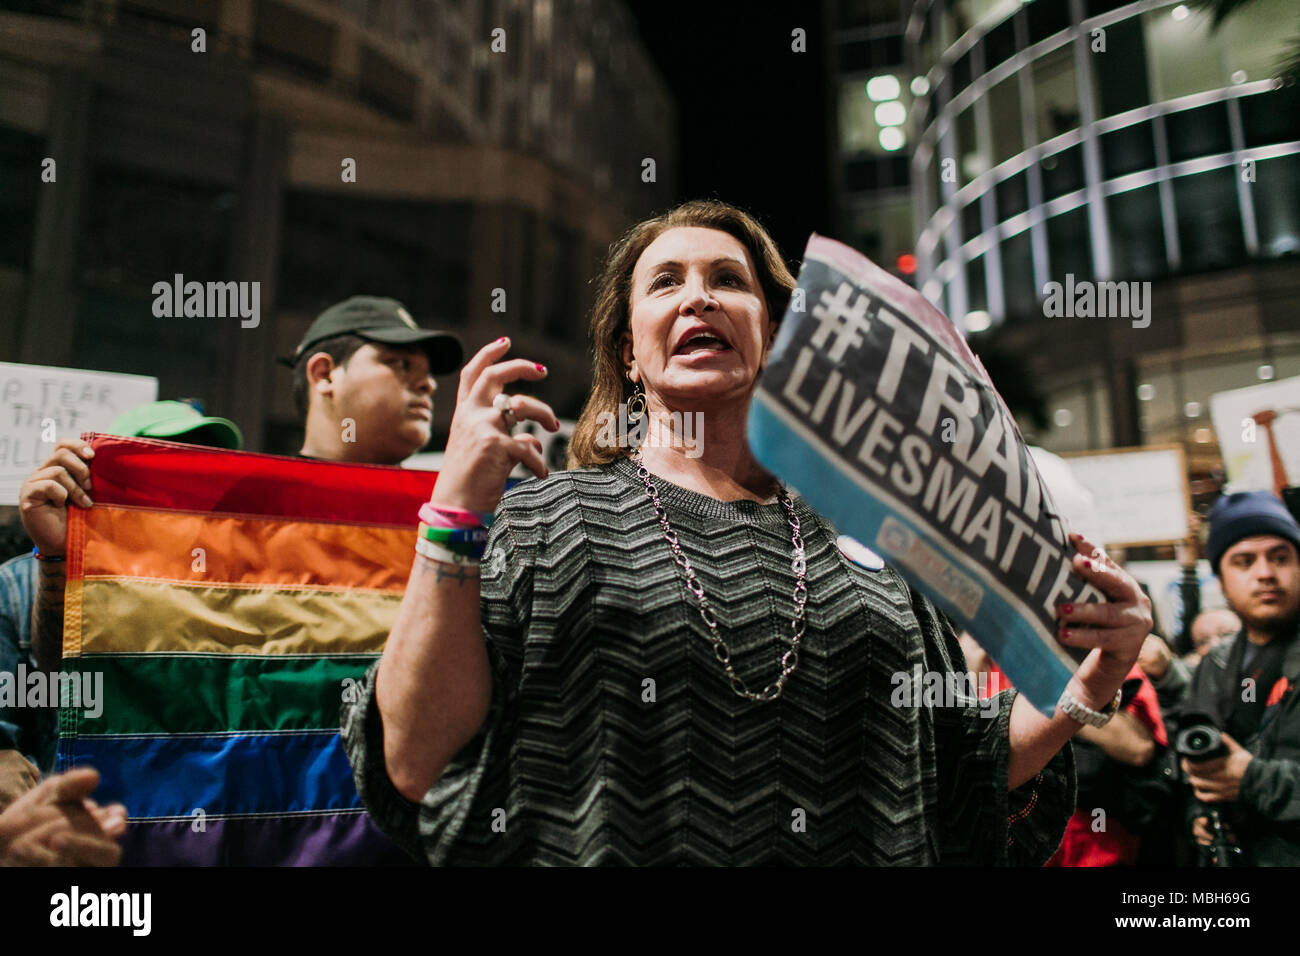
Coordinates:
1141 493
41 405
874 408
1258 428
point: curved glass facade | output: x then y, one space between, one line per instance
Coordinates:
1103 140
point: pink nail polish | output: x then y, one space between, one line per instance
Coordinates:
500 340
1087 564
1065 633
1067 608
541 367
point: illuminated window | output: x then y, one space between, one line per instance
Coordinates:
1184 55
1055 94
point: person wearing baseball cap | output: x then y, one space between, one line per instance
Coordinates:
1246 684
178 421
363 381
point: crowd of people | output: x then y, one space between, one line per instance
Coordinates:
1149 792
657 657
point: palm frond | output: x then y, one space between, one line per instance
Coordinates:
1219 10
1290 63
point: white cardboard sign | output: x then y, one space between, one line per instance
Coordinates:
41 405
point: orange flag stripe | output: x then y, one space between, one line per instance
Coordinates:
128 542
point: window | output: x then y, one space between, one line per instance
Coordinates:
1272 117
1199 381
1209 220
1046 17
1120 74
1000 43
20 165
1068 247
1277 205
1127 150
1159 413
1055 95
117 332
931 40
1062 172
961 71
977 299
859 115
1095 8
974 161
334 247
868 13
141 227
1004 119
882 229
1256 38
1184 56
987 11
970 220
1199 132
1018 290
1137 235
286 37
1067 411
1012 198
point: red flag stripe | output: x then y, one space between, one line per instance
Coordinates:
129 471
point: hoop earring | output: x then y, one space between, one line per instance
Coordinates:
636 406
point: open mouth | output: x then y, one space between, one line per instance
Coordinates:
701 341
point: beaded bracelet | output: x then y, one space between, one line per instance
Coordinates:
446 517
437 552
477 536
52 558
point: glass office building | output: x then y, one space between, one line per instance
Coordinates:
1112 141
495 145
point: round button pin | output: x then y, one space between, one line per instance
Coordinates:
859 553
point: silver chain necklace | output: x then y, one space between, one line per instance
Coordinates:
790 659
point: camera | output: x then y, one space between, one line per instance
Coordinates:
1199 739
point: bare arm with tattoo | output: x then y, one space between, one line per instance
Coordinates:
433 686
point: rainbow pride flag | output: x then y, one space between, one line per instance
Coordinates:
228 602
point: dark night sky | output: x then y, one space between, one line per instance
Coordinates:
751 113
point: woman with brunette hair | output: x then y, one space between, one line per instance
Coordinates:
660 656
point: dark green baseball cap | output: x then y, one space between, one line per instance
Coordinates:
385 321
180 421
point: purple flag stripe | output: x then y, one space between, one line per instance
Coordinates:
308 839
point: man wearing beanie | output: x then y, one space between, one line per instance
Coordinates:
1247 683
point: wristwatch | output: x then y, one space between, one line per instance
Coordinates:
1086 715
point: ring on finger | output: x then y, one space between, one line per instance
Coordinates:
502 404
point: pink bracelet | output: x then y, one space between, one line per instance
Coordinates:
442 516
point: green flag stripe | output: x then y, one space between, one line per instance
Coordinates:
180 694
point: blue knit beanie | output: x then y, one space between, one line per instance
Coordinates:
1244 514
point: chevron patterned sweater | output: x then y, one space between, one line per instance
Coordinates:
614 737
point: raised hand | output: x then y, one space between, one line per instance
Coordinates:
481 451
44 496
